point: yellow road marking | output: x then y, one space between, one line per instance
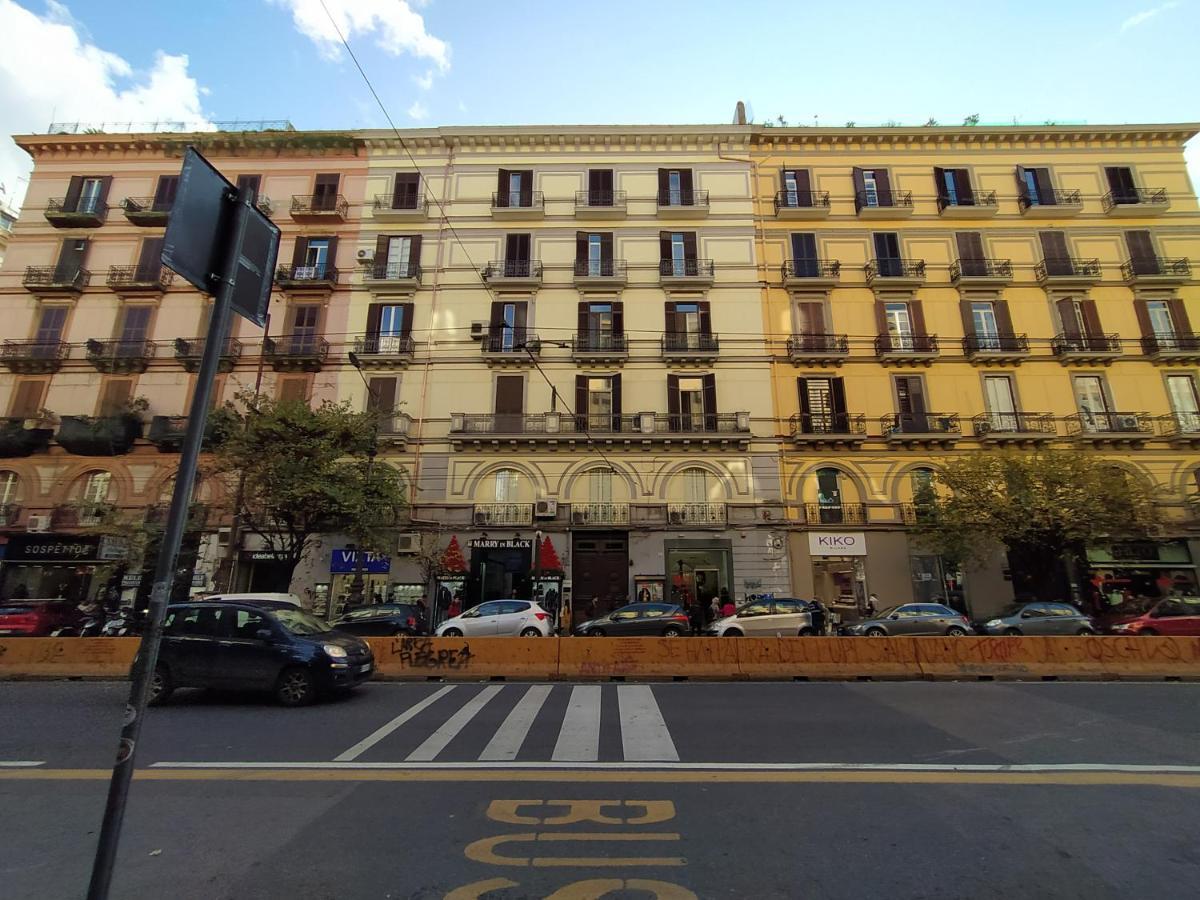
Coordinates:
583 776
484 850
508 811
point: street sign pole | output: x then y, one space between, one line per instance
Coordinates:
230 241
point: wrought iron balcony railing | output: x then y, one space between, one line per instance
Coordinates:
599 513
514 269
190 351
995 343
985 199
801 200
831 423
1069 344
511 339
394 271
906 343
894 268
519 200
147 210
384 345
882 200
599 342
1180 424
920 423
636 423
503 513
690 342
800 344
387 202
1052 197
301 276
686 268
66 279
601 268
30 357
811 268
80 212
1153 344
1013 423
1135 196
683 198
121 355
696 513
965 269
1090 423
331 205
296 346
1156 267
835 513
1067 267
605 199
147 278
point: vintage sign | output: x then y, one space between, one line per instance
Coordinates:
345 562
837 543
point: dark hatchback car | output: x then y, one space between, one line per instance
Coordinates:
256 646
648 619
383 620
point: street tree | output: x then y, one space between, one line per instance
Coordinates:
1044 508
305 470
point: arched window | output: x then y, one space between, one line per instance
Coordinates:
8 497
829 497
507 485
695 485
96 487
600 485
922 493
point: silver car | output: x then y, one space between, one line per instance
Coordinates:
912 619
1038 618
785 617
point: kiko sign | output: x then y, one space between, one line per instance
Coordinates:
837 543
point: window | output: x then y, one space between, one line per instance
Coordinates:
399 257
96 486
984 324
1001 403
695 485
508 321
888 260
51 322
1092 401
90 192
796 188
196 621
804 255
691 403
949 186
829 496
8 488
1142 256
316 259
517 258
1055 253
913 415
810 325
870 188
507 481
675 187
325 192
406 190
164 193
510 403
1121 184
1159 312
135 326
304 327
972 259
791 187
899 325
600 325
953 187
1185 402
381 399
600 483
1034 188
292 389
27 398
514 188
687 320
678 254
115 396
600 187
242 624
599 402
823 406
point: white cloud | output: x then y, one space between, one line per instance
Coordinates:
398 29
418 111
424 82
1146 15
49 70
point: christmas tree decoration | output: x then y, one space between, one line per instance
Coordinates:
452 559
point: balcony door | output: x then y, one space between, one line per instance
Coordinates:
675 188
134 330
1142 257
829 497
517 255
600 187
823 406
678 254
971 257
804 255
316 259
1001 402
1185 403
692 402
510 404
399 257
600 403
405 190
70 260
1120 183
1161 324
49 333
325 189
810 325
899 326
870 188
507 334
1055 253
887 254
688 325
985 325
1092 402
303 334
90 192
599 326
913 414
394 324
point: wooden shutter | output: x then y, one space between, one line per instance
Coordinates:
884 186
1066 317
164 194
497 318
812 317
917 315
516 248
837 396
27 398
1045 189
688 195
582 321
939 183
526 198
664 186
689 245
414 254
673 401
705 309
105 186
1091 317
114 396
860 187
381 396
970 252
502 188
803 185
910 395
74 190
968 319
581 250
520 318
1055 253
70 257
374 318
149 263
710 402
381 253
804 247
615 388
664 246
1142 311
50 324
1141 247
406 318
509 394
881 328
249 186
606 250
1003 316
670 321
135 323
805 406
618 318
331 254
581 401
1022 187
404 191
300 253
962 184
293 389
1120 181
1179 316
325 188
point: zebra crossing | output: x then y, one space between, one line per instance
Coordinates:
507 723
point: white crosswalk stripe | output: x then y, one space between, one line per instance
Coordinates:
436 742
506 742
378 735
579 739
644 734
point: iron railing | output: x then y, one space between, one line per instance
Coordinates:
906 343
686 268
1107 423
894 268
1170 343
599 342
50 353
189 351
682 198
920 423
835 513
511 339
503 513
146 207
394 271
388 201
78 210
519 200
600 268
801 200
513 268
1013 423
384 345
155 277
320 205
197 515
831 423
1068 344
696 513
296 346
811 268
916 513
1176 267
800 344
322 276
611 199
119 351
395 424
882 199
562 423
1067 267
690 342
63 278
1134 196
975 198
1179 423
995 343
980 268
599 513
1052 197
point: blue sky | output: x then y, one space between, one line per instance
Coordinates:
478 62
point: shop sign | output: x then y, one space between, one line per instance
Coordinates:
345 562
51 548
501 544
112 547
199 579
837 543
264 556
131 581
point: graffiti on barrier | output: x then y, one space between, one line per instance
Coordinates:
420 653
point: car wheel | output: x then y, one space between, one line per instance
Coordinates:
451 632
530 632
732 632
876 632
1014 632
672 631
596 632
806 631
1085 630
955 631
295 687
160 686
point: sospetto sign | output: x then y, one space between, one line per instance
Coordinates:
52 548
837 543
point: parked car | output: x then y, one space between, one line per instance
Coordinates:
254 596
783 617
37 618
382 619
1178 616
646 619
504 618
912 619
246 646
1038 618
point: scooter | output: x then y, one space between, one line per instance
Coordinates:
89 626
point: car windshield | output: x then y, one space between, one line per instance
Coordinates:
884 613
297 621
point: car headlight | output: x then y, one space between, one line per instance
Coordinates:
992 622
333 651
1125 626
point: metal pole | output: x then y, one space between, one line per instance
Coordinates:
164 576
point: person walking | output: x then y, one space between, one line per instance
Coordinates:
872 604
455 607
714 608
727 607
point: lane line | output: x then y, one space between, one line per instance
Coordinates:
506 742
379 734
1018 768
579 739
644 734
436 742
20 763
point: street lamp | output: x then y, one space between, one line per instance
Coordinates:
357 585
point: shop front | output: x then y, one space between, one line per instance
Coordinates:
77 568
500 568
699 570
344 569
1140 570
265 570
839 569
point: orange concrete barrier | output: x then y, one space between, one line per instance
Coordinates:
468 658
648 657
827 657
65 657
1060 657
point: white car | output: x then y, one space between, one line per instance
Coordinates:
781 617
499 618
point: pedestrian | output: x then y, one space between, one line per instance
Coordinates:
872 604
455 607
727 607
816 612
714 608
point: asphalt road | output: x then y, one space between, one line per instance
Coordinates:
571 791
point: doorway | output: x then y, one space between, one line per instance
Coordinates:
600 573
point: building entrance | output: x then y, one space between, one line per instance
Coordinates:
500 570
599 573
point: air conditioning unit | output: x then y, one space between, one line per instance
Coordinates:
579 517
478 329
545 509
408 543
38 524
481 517
364 255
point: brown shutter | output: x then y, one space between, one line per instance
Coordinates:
688 195
150 259
414 254
837 396
802 390
664 246
582 321
1091 317
164 194
884 186
606 249
325 188
1141 252
970 245
618 314
27 399
1022 187
689 245
673 401
860 187
1055 252
705 309
374 317
962 184
664 186
939 184
804 185
70 258
135 323
885 340
502 187
1143 317
710 402
381 252
406 321
581 249
615 383
917 314
300 251
248 186
520 318
50 324
670 323
510 391
497 314
1003 316
581 401
331 253
812 317
526 187
1179 316
381 397
1045 188
404 191
74 190
293 389
968 320
114 396
1066 317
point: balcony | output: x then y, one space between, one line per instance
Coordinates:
1099 349
873 205
996 348
1109 427
690 347
395 428
144 211
1172 348
835 514
521 205
56 281
190 351
167 432
384 209
979 205
1181 429
584 515
696 515
102 436
818 349
514 273
23 437
1014 428
384 351
306 279
319 208
682 204
78 213
920 429
503 514
505 345
10 514
1050 204
802 204
592 348
686 273
391 277
1136 202
121 357
916 513
1068 272
197 516
907 349
83 515
895 273
1156 270
981 272
34 357
829 429
811 273
554 430
296 353
600 274
600 204
139 280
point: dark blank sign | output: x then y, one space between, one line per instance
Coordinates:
257 248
